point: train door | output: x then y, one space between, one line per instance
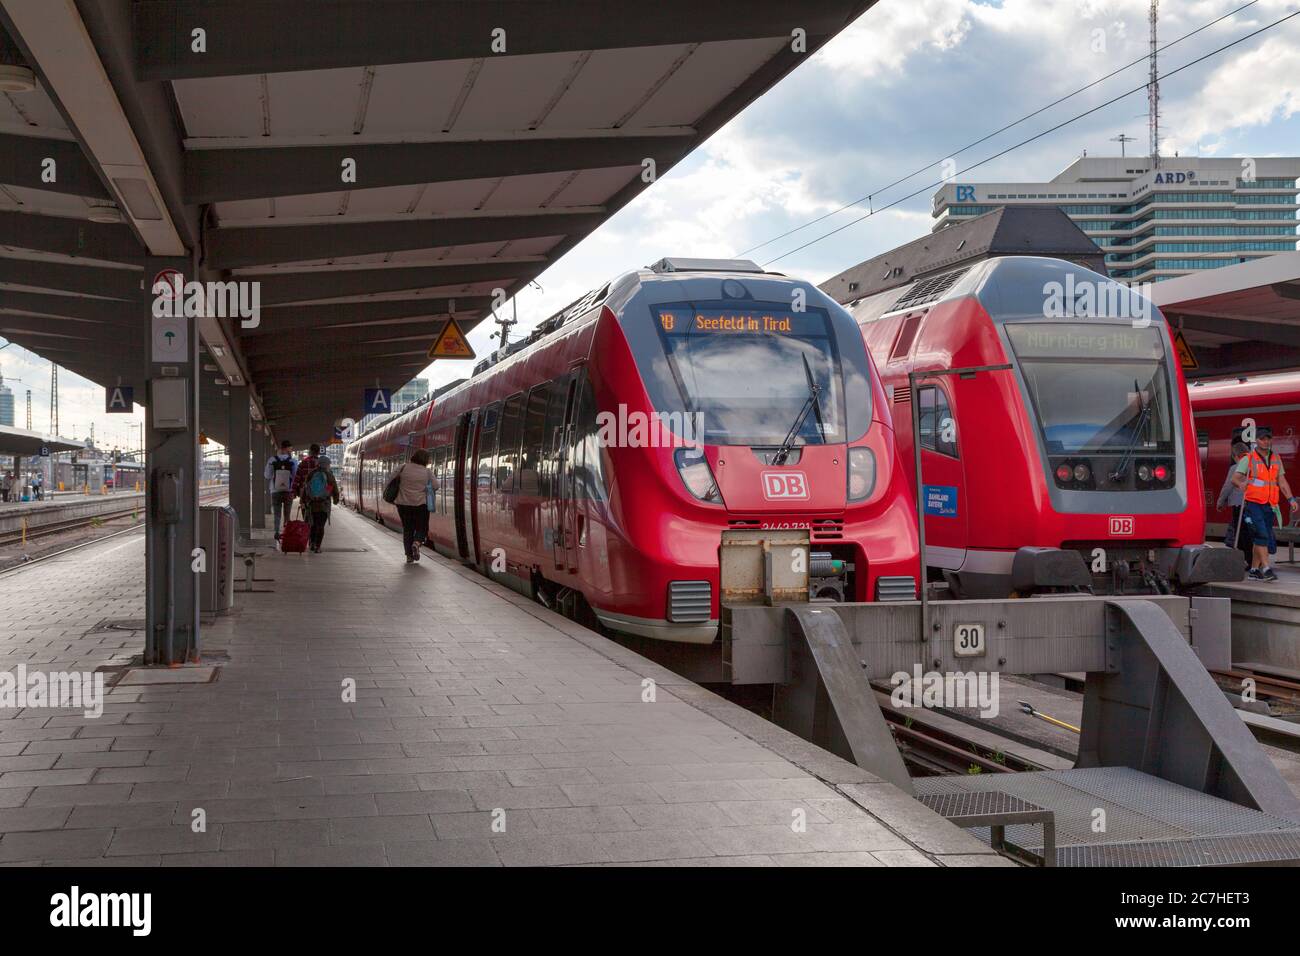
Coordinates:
464 484
944 494
564 482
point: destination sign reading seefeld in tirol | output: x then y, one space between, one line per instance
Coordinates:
778 322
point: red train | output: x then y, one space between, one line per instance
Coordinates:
600 464
1071 469
1220 407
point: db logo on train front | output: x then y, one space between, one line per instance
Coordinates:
784 485
1121 525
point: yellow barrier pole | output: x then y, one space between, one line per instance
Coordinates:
24 532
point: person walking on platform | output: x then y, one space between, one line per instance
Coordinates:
1260 475
1237 536
6 482
319 491
280 470
38 488
408 487
305 467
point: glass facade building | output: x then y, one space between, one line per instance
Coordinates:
1217 212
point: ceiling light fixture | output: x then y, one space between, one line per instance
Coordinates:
16 79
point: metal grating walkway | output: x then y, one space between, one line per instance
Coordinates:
1115 816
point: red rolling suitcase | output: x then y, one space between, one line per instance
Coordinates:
294 537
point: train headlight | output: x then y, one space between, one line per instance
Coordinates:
1063 472
1161 472
862 473
1082 472
696 476
1144 472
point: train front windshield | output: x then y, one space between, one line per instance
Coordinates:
1102 399
743 370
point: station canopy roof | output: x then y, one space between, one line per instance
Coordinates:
20 441
1239 318
376 165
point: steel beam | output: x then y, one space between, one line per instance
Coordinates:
223 175
280 319
69 237
23 162
358 340
108 311
282 288
247 38
64 277
233 247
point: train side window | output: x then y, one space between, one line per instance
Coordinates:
588 453
554 437
937 425
534 438
487 447
511 432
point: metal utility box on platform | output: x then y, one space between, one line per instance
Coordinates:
217 539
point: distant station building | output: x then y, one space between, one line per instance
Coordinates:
1187 215
6 403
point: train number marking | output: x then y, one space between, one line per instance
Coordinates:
968 640
1121 525
784 484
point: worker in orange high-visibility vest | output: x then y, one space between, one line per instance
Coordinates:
1260 476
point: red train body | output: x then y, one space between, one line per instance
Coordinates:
1081 445
531 489
1222 406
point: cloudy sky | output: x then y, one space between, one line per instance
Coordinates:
910 83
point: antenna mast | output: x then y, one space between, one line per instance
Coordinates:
54 399
1153 91
1122 139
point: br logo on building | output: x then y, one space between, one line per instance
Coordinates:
1121 526
784 485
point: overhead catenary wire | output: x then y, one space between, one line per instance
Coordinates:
983 139
1031 139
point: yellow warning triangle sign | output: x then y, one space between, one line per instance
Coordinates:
1186 357
450 343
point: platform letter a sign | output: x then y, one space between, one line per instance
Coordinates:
118 399
379 401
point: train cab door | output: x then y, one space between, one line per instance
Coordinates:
464 484
564 539
944 492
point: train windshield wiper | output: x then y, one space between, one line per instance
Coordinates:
811 404
1143 416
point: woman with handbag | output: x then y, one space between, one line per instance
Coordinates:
408 489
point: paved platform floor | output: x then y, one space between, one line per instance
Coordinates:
485 730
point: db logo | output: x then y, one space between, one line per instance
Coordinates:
1121 525
785 484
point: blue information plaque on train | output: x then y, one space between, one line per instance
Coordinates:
941 500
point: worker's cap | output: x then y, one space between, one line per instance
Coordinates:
1263 431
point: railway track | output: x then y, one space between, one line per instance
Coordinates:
48 529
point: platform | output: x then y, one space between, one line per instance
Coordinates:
473 707
1265 617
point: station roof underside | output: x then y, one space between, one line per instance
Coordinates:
1239 318
474 169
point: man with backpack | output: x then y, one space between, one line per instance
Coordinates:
320 490
280 470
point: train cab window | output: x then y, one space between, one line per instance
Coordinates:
938 426
534 438
510 434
